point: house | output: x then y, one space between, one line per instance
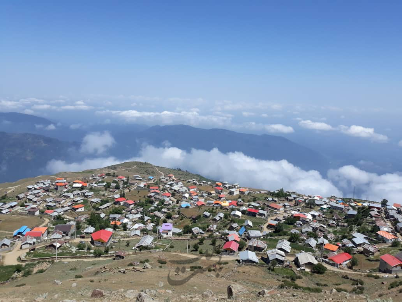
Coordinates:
146 241
385 236
248 257
166 229
275 206
43 231
206 214
369 250
252 212
284 246
66 229
331 247
340 259
101 238
276 255
5 243
56 235
231 246
311 242
305 260
27 242
233 237
254 234
248 223
390 264
36 235
21 231
351 214
79 208
256 245
33 211
235 214
89 230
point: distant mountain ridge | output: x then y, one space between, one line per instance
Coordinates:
267 147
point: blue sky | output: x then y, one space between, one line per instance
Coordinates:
265 62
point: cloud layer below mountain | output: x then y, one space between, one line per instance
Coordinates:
235 167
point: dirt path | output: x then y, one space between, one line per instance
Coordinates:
163 175
44 223
11 258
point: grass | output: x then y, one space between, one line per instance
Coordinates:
10 223
300 247
284 271
7 271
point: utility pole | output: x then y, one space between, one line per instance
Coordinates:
56 250
187 246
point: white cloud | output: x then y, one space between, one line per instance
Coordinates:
247 114
56 166
400 143
237 167
279 128
97 143
359 131
50 127
168 118
308 124
367 185
75 126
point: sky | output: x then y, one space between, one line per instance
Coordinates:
321 73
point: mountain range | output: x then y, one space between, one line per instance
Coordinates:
26 154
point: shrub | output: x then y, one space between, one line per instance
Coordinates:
161 261
19 285
373 276
78 276
40 271
319 269
27 272
98 252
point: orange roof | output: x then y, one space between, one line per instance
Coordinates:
115 222
218 184
77 206
59 178
331 247
242 190
386 235
217 202
78 181
40 229
61 184
49 211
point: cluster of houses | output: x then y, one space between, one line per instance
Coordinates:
314 218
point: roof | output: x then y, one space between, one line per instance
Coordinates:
120 199
252 210
331 247
248 256
78 206
33 234
166 227
340 258
306 258
233 237
391 260
231 245
40 229
20 230
386 235
275 206
145 241
102 235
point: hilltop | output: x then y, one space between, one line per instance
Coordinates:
139 231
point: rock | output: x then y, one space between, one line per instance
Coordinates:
161 284
230 292
263 293
41 297
169 291
58 282
97 293
147 265
131 294
74 285
207 294
334 291
150 292
294 295
143 297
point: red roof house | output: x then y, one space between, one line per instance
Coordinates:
388 263
101 238
340 259
231 246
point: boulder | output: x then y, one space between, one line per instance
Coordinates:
97 293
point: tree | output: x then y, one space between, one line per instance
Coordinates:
81 246
279 228
124 226
384 203
187 229
354 261
396 243
196 247
242 244
98 252
319 269
213 241
348 249
272 265
169 215
294 237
